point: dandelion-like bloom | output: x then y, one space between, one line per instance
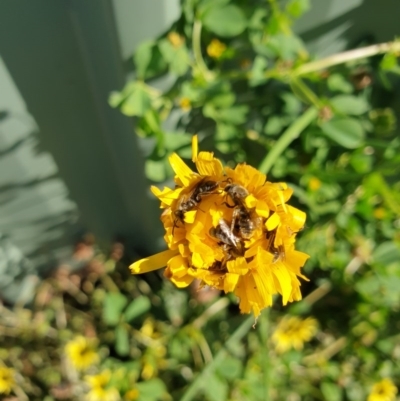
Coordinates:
185 104
131 395
99 389
384 390
81 352
216 48
231 229
6 380
293 332
175 39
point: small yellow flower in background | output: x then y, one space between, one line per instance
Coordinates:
131 395
385 390
230 228
216 48
293 332
379 213
185 104
98 388
314 184
175 39
6 380
81 352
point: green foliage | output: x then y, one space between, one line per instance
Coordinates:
327 129
246 84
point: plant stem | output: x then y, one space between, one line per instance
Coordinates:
198 57
201 379
263 333
291 133
344 57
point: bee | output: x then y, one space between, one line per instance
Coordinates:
232 244
244 222
237 193
191 200
279 251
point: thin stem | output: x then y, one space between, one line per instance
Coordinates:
198 57
201 379
263 332
344 57
291 133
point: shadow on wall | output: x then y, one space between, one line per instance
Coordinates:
38 221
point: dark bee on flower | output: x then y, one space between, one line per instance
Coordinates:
237 193
190 201
244 222
231 244
278 251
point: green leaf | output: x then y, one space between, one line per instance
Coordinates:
223 100
177 58
389 62
137 103
151 390
216 389
386 253
331 391
142 58
297 8
348 104
230 368
234 115
180 63
337 83
257 75
361 162
292 104
274 125
148 60
226 21
122 341
225 132
287 47
155 170
347 132
137 307
114 303
115 99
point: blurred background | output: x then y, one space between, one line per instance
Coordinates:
94 96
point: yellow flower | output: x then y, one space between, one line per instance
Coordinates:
185 104
131 395
98 388
175 39
379 213
314 184
293 332
81 352
230 228
384 390
6 380
216 48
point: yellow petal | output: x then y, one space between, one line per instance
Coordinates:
153 262
272 222
230 282
284 280
195 147
208 165
250 201
190 216
180 168
262 209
